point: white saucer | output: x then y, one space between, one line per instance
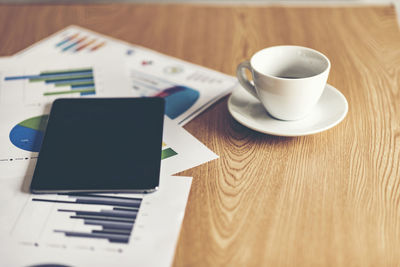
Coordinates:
329 111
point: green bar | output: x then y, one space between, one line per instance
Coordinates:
65 71
73 83
60 78
89 90
166 153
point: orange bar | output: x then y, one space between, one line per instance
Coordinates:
98 46
85 45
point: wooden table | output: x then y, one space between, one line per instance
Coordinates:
330 199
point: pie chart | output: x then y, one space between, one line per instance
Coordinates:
178 99
28 134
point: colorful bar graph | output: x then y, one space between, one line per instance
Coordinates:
80 81
78 42
74 44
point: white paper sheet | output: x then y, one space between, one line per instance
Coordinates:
190 152
47 231
188 88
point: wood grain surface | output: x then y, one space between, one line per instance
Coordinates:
330 199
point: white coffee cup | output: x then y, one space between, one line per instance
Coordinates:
288 80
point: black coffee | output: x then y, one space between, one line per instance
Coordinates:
289 77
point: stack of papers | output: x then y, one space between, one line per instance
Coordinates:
96 229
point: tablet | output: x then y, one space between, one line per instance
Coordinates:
101 145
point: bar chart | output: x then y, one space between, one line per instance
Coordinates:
79 42
91 229
116 217
62 82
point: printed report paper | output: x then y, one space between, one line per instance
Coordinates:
91 229
187 88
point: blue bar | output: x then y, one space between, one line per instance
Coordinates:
70 46
113 231
117 238
110 225
88 93
102 218
104 213
105 197
54 201
63 41
10 78
120 213
113 201
133 203
82 86
127 209
117 205
67 74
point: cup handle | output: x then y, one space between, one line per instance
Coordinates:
241 75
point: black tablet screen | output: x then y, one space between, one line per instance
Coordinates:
104 144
